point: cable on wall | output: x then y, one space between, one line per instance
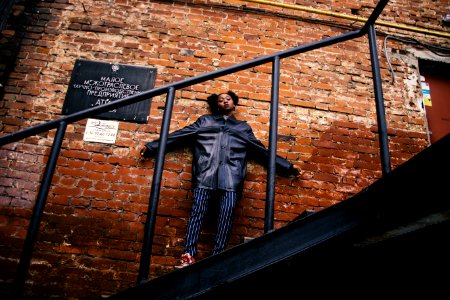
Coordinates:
437 50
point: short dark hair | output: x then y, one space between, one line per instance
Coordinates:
212 100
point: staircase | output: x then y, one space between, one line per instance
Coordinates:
393 233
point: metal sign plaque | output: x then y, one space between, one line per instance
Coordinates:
96 83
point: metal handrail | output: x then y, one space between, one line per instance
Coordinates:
80 115
170 90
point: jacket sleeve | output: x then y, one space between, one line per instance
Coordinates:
178 138
283 166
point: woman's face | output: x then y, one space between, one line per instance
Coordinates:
225 103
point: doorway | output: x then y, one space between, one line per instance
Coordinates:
436 77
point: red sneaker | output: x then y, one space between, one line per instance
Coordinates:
186 260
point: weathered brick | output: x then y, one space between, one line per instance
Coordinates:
90 240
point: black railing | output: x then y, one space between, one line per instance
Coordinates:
170 90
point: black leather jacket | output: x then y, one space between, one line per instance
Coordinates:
220 149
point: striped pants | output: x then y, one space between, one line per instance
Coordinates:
199 208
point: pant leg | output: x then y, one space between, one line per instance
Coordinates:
225 221
198 212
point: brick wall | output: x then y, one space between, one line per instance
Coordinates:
91 233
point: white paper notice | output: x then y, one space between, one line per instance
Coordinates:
101 131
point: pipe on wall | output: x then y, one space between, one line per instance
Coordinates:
352 18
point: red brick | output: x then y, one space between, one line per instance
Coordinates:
99 198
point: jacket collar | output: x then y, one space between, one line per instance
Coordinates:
231 118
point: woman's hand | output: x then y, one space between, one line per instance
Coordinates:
145 153
295 171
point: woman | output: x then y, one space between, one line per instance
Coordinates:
220 146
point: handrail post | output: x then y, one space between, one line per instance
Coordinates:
149 228
270 190
379 102
33 228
